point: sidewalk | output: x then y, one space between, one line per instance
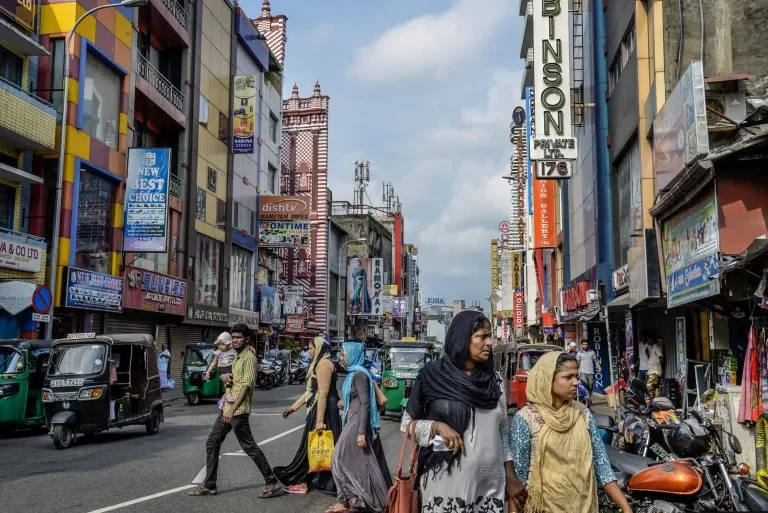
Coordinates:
600 405
174 397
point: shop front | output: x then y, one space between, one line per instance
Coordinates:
22 269
88 297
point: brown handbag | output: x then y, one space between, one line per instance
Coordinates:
403 497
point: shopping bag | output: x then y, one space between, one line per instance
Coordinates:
403 496
320 451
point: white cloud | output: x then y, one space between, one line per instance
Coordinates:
433 45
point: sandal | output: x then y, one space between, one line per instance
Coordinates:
333 509
271 492
296 490
201 492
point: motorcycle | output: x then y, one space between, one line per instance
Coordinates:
266 375
298 372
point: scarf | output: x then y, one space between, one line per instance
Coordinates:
444 393
322 352
354 353
562 476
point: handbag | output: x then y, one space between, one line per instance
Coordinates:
403 497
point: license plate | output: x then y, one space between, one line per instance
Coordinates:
405 375
66 382
659 451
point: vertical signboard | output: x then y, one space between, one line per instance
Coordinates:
598 341
629 343
530 108
494 265
543 213
680 345
517 270
269 309
365 284
506 284
519 309
244 114
146 200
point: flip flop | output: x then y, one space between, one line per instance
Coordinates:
295 490
201 492
271 492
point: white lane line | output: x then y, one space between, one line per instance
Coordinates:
142 499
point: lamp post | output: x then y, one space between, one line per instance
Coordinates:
494 300
62 146
338 286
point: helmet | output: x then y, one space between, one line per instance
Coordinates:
689 439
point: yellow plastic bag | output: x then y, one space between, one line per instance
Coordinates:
320 451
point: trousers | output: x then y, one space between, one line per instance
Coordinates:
588 380
242 429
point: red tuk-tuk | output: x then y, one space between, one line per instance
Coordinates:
526 357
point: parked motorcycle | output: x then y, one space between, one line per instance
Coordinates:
266 375
298 372
583 395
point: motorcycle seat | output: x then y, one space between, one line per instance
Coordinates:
626 462
603 421
755 498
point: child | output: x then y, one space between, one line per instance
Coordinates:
223 358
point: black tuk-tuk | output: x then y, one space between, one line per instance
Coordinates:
95 383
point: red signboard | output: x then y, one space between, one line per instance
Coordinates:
543 213
294 323
155 292
576 296
518 302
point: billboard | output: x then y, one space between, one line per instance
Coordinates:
294 300
284 221
244 114
543 213
269 305
146 200
365 286
399 307
154 292
23 12
93 291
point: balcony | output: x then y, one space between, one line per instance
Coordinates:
160 98
528 31
19 40
176 187
26 121
168 21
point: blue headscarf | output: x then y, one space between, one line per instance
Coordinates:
355 357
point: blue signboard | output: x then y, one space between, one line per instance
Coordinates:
93 291
698 280
530 106
269 313
598 342
146 200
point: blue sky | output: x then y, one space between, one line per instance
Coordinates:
424 89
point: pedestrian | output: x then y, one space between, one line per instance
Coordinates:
223 358
644 348
234 417
556 447
461 425
572 348
587 362
322 401
360 468
304 354
163 360
655 370
272 354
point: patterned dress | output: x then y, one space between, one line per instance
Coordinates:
524 435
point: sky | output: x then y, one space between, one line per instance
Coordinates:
424 90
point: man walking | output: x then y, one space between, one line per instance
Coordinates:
587 363
234 417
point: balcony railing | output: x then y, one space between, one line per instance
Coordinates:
178 11
176 187
161 84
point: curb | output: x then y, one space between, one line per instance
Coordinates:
176 401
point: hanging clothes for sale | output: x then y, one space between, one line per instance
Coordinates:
750 407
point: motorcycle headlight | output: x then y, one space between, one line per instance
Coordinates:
90 393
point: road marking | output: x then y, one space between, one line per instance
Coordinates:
142 499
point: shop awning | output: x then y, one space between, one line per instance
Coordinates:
757 248
590 313
620 302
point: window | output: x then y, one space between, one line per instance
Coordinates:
203 116
240 279
273 121
57 73
95 205
271 178
212 179
7 206
11 67
243 218
626 48
101 100
223 128
221 214
201 198
628 203
207 271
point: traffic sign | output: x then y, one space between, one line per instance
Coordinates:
41 317
42 299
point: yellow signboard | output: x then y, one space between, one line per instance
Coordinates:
408 339
517 270
494 265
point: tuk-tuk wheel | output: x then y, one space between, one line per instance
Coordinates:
153 424
63 436
193 398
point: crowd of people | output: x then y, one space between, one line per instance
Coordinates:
470 458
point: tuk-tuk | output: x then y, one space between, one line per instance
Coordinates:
95 383
504 365
373 363
402 362
196 362
525 358
22 372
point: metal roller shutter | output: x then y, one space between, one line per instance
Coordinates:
128 323
97 323
180 337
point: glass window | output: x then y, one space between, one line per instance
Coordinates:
223 128
240 279
11 67
271 178
273 128
201 197
95 205
623 210
207 271
101 100
242 218
10 359
7 206
221 214
77 360
203 112
57 73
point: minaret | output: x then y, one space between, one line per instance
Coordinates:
274 29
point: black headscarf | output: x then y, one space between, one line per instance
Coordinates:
444 393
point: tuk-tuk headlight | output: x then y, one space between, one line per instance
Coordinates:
185 375
90 393
47 395
390 383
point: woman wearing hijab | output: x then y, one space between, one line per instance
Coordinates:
359 466
461 425
557 450
321 399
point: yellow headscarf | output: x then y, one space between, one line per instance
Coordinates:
562 476
319 355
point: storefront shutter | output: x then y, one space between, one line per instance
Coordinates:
130 323
97 323
180 337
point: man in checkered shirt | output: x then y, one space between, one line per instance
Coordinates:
234 417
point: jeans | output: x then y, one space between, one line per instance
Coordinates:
643 376
589 380
239 424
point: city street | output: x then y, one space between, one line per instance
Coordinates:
130 472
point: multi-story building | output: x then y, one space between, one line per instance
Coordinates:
27 124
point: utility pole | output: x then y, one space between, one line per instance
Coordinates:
362 179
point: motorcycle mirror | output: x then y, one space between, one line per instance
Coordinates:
735 444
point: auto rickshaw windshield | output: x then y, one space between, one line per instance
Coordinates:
197 357
529 359
10 358
77 359
408 358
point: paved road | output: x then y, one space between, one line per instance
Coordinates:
130 472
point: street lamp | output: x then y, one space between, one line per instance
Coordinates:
62 144
494 299
338 286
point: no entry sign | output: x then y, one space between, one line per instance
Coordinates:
42 300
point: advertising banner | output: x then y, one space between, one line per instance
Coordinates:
680 345
365 284
506 284
269 311
146 200
20 256
399 307
391 290
294 300
244 114
544 214
155 292
530 108
517 270
494 265
598 341
690 252
93 291
294 323
23 12
518 319
284 221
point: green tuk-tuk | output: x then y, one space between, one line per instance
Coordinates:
22 373
401 363
196 387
